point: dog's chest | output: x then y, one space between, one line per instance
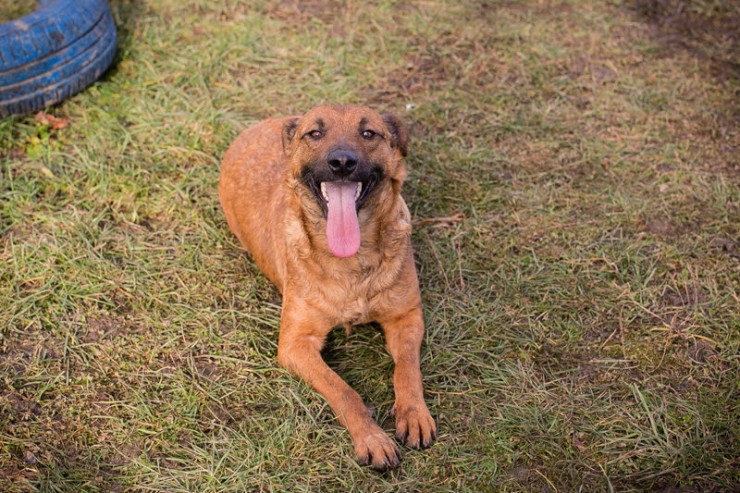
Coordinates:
355 313
358 298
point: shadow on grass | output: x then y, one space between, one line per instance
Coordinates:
125 13
709 30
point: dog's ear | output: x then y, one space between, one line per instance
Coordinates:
399 133
288 133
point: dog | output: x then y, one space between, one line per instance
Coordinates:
316 200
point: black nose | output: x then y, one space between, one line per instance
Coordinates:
342 162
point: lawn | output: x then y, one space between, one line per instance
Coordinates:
574 180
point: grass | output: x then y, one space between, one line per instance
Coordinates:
16 9
581 304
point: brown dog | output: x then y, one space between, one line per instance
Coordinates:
316 201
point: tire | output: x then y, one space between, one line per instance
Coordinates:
54 53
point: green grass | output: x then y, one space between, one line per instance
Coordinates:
582 311
12 10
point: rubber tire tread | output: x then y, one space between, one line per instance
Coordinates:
53 53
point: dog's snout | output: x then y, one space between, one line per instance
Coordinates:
342 162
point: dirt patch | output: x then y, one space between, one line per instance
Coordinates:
659 227
724 246
690 296
599 72
17 477
421 70
103 327
15 407
16 355
294 11
702 352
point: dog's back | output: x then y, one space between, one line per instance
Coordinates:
252 193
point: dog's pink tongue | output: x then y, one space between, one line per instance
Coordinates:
342 226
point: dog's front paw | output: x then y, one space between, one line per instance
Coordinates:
377 450
415 427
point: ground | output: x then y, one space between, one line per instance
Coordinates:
574 182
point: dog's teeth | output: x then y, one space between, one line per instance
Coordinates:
359 189
323 191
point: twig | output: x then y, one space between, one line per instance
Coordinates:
431 220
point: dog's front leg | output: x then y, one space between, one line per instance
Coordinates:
302 335
414 424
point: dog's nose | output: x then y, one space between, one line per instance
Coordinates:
342 162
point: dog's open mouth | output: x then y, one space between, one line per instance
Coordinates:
341 201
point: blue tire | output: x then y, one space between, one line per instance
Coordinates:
53 53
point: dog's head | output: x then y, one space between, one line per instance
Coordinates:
345 158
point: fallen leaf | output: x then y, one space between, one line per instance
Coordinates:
51 120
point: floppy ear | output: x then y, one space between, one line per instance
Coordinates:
399 133
289 132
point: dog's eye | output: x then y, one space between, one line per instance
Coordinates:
314 134
368 134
